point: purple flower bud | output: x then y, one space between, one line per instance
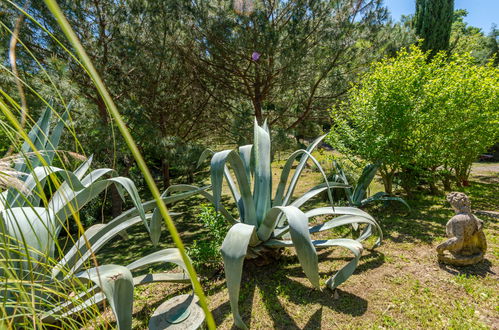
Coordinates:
255 56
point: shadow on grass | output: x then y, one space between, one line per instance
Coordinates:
481 269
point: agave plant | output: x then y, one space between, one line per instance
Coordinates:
30 224
265 223
358 196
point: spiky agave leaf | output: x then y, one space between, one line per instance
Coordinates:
234 249
116 283
365 179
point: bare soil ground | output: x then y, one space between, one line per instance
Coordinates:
397 285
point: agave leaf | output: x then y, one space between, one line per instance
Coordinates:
37 179
305 198
38 136
27 228
128 185
340 172
76 200
201 191
315 191
166 255
66 192
234 249
349 219
281 186
343 274
298 228
217 171
80 252
245 153
382 196
299 169
265 126
263 175
269 223
349 211
204 155
234 190
116 283
55 136
83 168
367 176
161 277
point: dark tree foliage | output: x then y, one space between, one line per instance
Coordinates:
285 60
433 22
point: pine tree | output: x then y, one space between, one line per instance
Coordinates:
433 21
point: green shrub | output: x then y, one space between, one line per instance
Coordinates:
416 117
208 250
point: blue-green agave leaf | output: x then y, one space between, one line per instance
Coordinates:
263 175
367 176
116 283
234 249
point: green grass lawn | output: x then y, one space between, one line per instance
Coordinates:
397 285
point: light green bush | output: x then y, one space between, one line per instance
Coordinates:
409 114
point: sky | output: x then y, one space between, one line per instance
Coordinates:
481 13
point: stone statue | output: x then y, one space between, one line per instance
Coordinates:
466 243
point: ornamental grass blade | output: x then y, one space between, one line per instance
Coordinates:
263 175
234 249
298 228
116 283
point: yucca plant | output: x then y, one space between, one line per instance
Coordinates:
31 220
265 223
358 195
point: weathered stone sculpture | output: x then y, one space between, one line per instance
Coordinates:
466 243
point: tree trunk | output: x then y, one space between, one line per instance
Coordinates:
166 173
388 182
446 183
116 202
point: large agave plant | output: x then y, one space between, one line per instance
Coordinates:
267 223
358 195
30 225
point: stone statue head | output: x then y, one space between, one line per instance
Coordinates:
459 202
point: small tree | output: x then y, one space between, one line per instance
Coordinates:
410 113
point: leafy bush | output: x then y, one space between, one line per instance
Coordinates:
412 115
208 250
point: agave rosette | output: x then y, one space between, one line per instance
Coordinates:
30 224
265 223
